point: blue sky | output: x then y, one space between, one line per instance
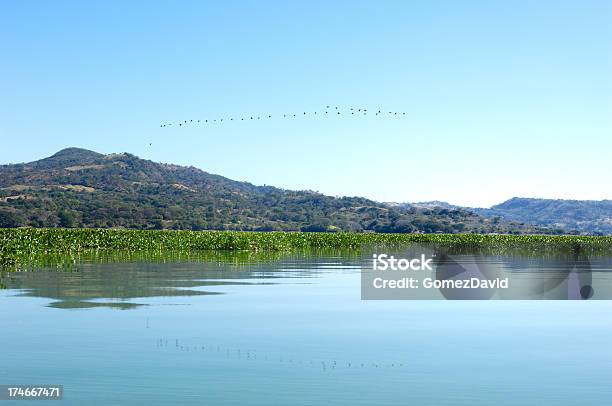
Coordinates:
502 98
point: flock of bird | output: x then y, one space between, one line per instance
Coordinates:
252 355
327 111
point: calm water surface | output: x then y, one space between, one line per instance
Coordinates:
291 330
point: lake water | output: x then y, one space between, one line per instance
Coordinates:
230 329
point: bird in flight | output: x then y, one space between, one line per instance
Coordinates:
354 111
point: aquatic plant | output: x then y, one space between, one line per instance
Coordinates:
19 244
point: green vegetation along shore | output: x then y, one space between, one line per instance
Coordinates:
19 243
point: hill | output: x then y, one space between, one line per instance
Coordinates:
586 216
433 204
80 188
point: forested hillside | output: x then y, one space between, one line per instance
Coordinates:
81 188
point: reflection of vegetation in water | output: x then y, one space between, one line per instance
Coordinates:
69 261
524 250
125 279
79 304
118 279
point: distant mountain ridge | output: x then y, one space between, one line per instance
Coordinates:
80 188
587 216
579 216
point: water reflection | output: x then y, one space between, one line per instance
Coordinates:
124 280
222 352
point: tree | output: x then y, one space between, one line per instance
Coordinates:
9 219
66 219
157 224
